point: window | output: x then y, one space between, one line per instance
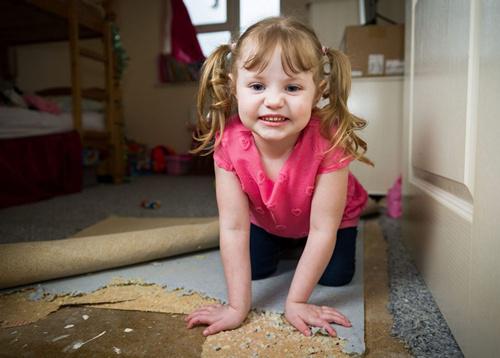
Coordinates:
217 21
252 11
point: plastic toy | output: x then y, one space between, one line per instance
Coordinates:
151 204
159 163
394 205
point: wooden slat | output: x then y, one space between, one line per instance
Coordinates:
85 52
113 111
22 22
88 16
109 73
95 93
74 43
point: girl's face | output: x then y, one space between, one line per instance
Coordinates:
272 104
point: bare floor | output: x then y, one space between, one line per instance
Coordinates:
378 321
126 330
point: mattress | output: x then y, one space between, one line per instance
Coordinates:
18 122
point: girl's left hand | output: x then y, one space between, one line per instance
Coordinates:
303 315
218 318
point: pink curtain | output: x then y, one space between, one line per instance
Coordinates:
181 56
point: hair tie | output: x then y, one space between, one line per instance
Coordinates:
232 46
324 49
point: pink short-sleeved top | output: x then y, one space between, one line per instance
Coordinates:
283 207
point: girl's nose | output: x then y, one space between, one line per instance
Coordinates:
274 100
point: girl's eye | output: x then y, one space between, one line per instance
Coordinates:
292 88
257 86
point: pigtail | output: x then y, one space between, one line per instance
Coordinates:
336 87
214 100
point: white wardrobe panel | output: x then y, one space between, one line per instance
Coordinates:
440 87
485 245
380 102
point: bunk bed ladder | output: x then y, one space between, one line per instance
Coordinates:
114 113
74 43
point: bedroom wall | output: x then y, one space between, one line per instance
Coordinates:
329 19
154 113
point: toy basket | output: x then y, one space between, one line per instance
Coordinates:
178 164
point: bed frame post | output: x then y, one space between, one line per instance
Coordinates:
74 43
114 114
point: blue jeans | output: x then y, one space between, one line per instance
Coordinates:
267 249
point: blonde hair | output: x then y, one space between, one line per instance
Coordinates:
301 51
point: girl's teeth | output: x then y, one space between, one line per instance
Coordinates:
274 119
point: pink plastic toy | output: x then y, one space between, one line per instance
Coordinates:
394 205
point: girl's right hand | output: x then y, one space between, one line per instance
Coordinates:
218 318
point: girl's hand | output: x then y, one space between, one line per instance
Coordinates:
218 318
303 315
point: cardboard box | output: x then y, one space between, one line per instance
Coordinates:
375 50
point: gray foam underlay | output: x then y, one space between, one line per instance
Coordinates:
203 273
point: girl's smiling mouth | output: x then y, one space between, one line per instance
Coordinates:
273 118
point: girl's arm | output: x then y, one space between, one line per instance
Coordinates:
234 223
326 213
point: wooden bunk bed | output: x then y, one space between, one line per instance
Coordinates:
37 21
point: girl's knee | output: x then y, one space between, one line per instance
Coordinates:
337 280
263 266
260 274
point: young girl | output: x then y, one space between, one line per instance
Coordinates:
281 167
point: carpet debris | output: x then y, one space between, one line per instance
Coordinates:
269 335
60 337
78 344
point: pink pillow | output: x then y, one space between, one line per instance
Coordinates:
42 104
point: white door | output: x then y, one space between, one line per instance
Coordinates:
452 133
